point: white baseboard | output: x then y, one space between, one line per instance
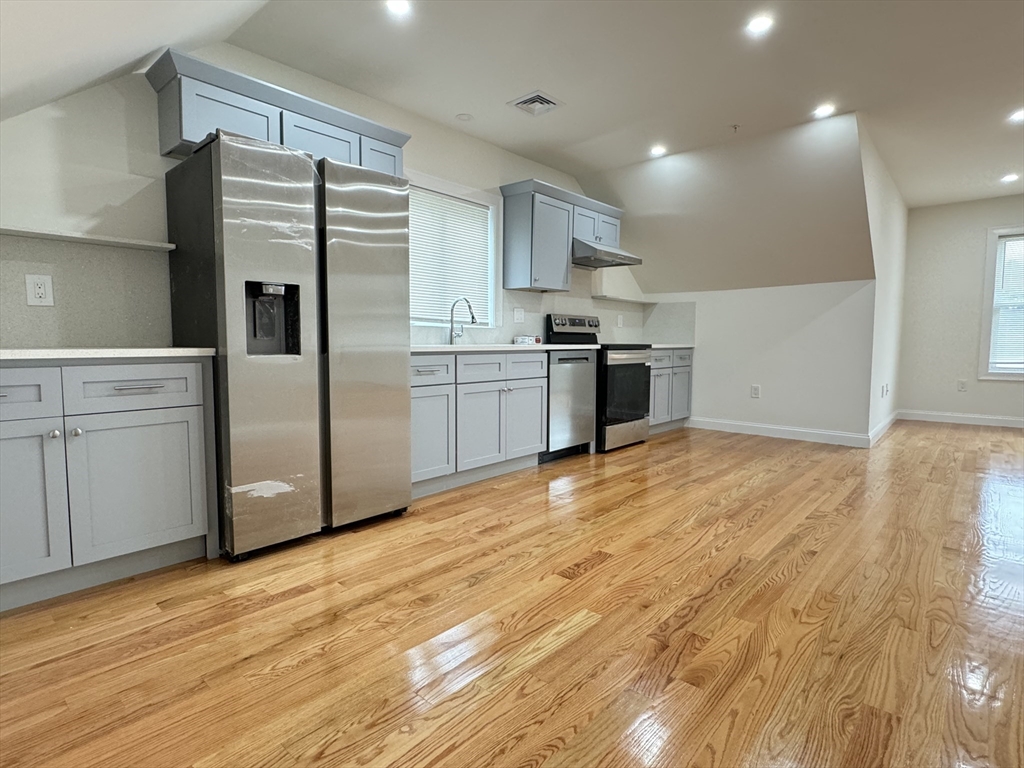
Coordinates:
852 439
977 419
881 429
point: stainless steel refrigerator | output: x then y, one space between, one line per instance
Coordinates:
270 268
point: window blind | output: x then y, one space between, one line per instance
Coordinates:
449 257
1006 355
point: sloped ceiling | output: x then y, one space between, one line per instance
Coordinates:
51 49
787 208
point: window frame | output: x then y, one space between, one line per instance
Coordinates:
481 197
987 308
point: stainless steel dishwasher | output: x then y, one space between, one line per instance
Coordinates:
572 398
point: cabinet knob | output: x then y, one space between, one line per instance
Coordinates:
76 432
55 433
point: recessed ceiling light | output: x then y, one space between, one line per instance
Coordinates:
1017 117
398 7
759 25
658 150
464 117
824 110
1010 177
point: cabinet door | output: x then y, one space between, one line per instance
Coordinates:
608 231
136 480
379 156
433 431
205 108
34 533
526 417
585 223
480 424
552 243
681 393
661 396
318 138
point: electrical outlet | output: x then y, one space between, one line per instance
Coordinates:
39 290
961 385
755 390
886 390
619 321
518 315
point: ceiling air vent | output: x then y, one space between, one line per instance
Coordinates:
536 103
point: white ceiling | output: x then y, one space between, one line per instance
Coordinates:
51 49
935 80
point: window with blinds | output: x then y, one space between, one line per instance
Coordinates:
451 254
1006 351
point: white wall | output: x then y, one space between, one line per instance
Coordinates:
808 346
943 310
887 218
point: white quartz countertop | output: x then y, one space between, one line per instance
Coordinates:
436 348
671 346
95 353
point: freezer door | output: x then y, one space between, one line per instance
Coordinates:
267 364
366 334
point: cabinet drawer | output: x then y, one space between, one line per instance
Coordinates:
427 370
527 365
682 357
473 368
109 388
30 393
661 358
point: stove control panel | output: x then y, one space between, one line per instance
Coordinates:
579 323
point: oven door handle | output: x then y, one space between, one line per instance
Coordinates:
629 358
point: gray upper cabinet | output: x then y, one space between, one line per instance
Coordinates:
537 243
34 532
585 223
433 431
595 227
136 480
196 98
318 138
608 231
380 156
526 417
190 110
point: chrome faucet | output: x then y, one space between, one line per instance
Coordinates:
452 333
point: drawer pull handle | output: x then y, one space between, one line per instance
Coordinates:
76 432
3 394
427 370
55 433
124 387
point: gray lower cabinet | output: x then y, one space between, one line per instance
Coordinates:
35 537
136 480
480 419
500 420
433 431
681 393
661 396
526 417
318 138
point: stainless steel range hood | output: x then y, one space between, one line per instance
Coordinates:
596 255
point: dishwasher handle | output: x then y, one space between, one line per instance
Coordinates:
569 358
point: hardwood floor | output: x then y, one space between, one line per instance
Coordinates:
706 599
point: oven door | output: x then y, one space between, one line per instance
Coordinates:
627 385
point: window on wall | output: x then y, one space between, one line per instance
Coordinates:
451 254
1003 349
